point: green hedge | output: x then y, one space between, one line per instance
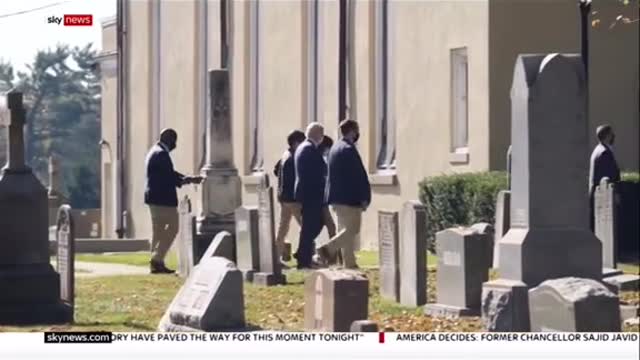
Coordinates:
460 199
465 199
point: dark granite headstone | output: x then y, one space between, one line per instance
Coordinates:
462 268
65 258
488 230
270 268
248 240
575 305
334 299
187 230
605 215
505 306
413 255
364 326
389 255
222 246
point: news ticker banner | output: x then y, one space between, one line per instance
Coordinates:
284 345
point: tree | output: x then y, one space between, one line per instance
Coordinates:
62 95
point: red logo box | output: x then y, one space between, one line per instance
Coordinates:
78 20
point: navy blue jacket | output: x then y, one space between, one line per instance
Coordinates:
348 182
603 164
162 179
286 172
309 168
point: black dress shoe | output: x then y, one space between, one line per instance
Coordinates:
160 268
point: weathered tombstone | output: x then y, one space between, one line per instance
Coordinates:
462 268
605 214
389 255
29 286
549 235
505 306
575 305
334 299
488 230
187 229
270 267
221 246
210 300
503 220
221 190
65 239
413 255
364 326
248 241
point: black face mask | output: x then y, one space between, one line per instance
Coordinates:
171 145
613 139
356 137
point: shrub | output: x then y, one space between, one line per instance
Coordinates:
631 177
460 199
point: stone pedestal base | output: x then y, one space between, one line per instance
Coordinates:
30 295
505 306
269 279
624 282
609 272
449 311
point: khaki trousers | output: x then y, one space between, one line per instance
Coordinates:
165 221
327 220
287 211
349 220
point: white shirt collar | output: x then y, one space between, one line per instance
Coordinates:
163 146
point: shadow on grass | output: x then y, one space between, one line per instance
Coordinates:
132 325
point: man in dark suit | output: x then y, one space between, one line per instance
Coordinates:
286 173
161 196
309 192
603 164
348 192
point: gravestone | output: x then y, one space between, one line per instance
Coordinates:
462 268
509 151
334 299
549 236
503 221
65 259
624 282
55 196
29 286
221 246
575 305
505 306
488 230
187 229
270 268
413 255
389 255
605 214
210 300
248 241
221 190
364 326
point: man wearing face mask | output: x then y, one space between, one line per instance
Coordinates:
161 196
309 192
603 164
348 191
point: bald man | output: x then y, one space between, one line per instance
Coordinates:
161 196
309 193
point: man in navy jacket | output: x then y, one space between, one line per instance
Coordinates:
309 192
348 192
603 164
162 198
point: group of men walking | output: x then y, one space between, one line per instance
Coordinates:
314 174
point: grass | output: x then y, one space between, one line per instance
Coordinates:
134 258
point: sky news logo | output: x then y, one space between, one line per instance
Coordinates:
71 20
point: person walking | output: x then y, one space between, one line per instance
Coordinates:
286 173
161 196
602 164
348 193
309 192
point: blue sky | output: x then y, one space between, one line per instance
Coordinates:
21 36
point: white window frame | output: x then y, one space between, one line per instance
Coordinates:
459 101
203 84
313 56
256 160
384 111
157 118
